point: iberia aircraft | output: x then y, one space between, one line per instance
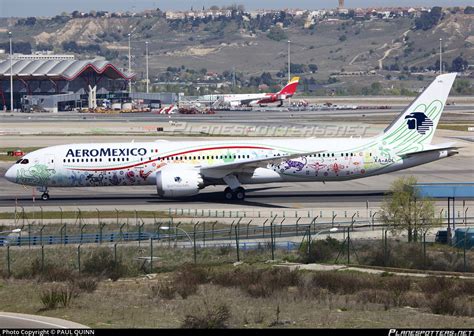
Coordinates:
262 99
183 168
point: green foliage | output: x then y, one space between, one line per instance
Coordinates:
101 263
277 34
403 210
57 296
469 10
428 20
321 250
463 86
459 64
312 67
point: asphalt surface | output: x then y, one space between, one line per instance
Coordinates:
280 198
25 321
256 116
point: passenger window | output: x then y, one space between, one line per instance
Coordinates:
25 161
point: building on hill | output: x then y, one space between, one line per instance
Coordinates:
65 84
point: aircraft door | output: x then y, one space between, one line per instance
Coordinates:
51 162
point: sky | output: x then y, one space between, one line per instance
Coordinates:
23 8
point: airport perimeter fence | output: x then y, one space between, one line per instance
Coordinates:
148 252
99 226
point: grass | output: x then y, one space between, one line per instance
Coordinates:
129 303
115 291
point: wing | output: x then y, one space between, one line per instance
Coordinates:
221 170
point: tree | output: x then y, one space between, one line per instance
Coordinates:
459 64
313 67
405 210
277 34
376 88
469 10
428 20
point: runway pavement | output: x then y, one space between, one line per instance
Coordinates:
307 195
26 321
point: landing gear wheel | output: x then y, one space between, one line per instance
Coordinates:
239 194
228 194
45 196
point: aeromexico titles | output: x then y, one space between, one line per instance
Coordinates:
183 168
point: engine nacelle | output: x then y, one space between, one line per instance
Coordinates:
178 182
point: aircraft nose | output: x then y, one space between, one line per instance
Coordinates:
10 175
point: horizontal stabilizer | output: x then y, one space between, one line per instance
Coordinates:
452 150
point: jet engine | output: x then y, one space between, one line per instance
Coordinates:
178 182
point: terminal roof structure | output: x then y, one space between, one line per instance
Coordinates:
60 69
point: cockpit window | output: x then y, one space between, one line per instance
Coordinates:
23 161
18 161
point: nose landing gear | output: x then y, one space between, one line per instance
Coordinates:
45 193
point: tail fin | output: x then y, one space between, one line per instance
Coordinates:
290 88
415 126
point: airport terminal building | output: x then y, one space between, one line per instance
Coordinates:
65 84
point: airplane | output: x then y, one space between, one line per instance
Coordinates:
183 168
263 99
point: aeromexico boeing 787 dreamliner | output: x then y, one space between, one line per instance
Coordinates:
183 168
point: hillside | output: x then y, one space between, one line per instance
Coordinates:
340 45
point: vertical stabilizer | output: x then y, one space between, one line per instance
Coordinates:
416 125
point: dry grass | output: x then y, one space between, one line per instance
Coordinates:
128 303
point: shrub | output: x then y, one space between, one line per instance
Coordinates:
47 273
101 263
432 285
258 282
187 278
88 285
215 317
58 296
398 286
321 250
443 303
343 282
163 290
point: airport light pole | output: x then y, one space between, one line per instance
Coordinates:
11 71
129 63
289 60
167 228
146 61
440 56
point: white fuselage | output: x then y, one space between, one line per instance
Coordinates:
135 163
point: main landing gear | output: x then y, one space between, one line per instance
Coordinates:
234 191
237 194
